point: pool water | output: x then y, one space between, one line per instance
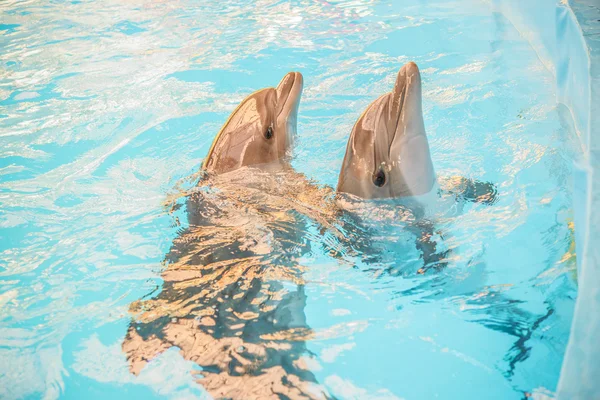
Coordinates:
107 109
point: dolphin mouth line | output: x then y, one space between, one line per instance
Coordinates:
394 126
292 96
398 118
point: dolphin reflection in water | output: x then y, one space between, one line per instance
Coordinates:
233 296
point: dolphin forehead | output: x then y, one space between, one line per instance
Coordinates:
251 117
369 142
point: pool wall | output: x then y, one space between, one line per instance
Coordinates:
566 36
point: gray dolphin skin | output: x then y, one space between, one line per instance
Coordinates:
261 130
388 153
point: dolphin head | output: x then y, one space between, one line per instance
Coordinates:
388 153
260 130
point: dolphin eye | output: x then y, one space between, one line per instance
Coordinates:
269 132
379 178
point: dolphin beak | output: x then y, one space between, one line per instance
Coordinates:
288 92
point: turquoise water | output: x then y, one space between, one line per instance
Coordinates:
107 108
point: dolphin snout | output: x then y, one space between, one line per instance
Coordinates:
289 91
410 68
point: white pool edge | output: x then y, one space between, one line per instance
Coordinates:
566 36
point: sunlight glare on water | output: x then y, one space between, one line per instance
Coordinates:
107 109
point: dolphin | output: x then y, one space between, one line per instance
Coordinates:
233 297
388 155
260 130
388 159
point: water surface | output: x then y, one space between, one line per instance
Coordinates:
108 108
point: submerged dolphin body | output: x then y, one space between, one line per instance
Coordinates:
233 295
